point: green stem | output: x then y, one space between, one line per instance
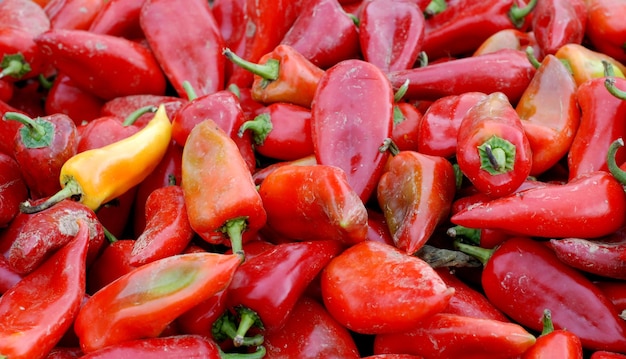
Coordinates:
482 254
518 14
422 59
45 82
71 189
268 71
401 91
471 234
435 7
224 328
138 113
615 170
389 145
609 81
247 319
14 65
458 176
497 155
109 236
546 320
235 89
260 126
234 229
258 354
355 19
530 54
32 128
189 90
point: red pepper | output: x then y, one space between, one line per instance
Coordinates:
415 194
32 238
555 211
373 288
615 291
508 39
13 189
523 277
252 294
308 34
507 71
492 150
439 127
41 147
175 39
445 335
465 24
112 263
72 14
391 37
219 214
224 108
124 106
281 131
586 64
605 30
40 308
406 121
167 231
558 22
281 75
141 303
466 300
263 29
603 354
554 343
549 113
6 90
601 256
20 56
67 98
24 14
8 277
261 173
105 65
351 117
337 212
119 18
311 332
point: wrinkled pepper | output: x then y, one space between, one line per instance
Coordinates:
558 22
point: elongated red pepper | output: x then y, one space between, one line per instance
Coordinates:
24 14
599 126
105 65
144 301
124 106
604 29
67 98
119 18
282 75
337 213
549 113
554 343
8 277
32 238
523 277
507 71
391 37
72 14
173 40
220 215
439 127
112 263
351 117
281 131
615 291
415 194
508 39
41 148
307 38
167 231
492 150
13 190
465 24
555 211
20 57
558 22
40 308
445 335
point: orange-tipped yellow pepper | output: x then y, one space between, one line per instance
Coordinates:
586 64
97 176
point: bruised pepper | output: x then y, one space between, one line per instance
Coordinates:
97 176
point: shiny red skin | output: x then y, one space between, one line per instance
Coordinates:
67 98
558 22
119 18
24 14
351 116
110 265
72 14
13 189
405 132
125 105
556 344
178 346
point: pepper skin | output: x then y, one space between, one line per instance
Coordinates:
554 343
67 98
604 29
41 307
558 22
13 189
586 64
72 14
119 18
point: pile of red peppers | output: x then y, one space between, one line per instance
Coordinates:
380 179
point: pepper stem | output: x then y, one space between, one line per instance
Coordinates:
234 229
609 81
258 354
546 320
248 318
224 327
615 170
189 90
109 236
133 116
480 253
36 133
530 54
389 145
435 7
401 91
71 189
497 155
260 126
268 71
14 65
471 234
517 14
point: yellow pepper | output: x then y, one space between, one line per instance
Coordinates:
586 64
97 176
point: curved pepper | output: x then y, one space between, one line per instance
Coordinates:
103 174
